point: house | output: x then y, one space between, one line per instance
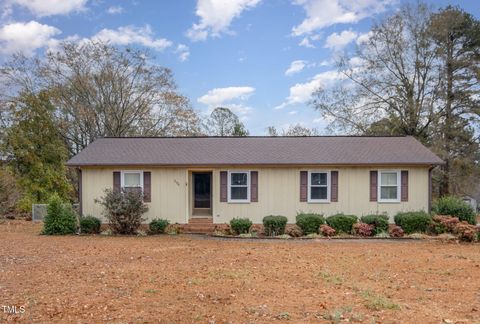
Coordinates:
219 178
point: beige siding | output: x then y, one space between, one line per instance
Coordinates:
278 193
169 192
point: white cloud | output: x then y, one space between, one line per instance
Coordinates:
132 35
44 8
305 42
339 41
293 112
216 17
183 52
115 10
25 37
302 92
324 13
363 38
230 97
295 67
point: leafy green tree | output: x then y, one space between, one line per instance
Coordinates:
239 130
35 151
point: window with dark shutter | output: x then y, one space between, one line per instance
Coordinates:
303 186
334 188
404 184
147 186
373 185
254 186
116 181
223 186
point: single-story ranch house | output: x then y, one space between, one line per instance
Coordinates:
220 178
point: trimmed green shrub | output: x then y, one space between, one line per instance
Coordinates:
274 225
342 223
90 225
158 226
380 222
413 222
240 225
123 209
453 206
310 223
60 218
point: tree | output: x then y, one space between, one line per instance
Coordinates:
35 151
292 130
101 90
457 38
393 76
223 122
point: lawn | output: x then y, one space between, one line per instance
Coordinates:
193 279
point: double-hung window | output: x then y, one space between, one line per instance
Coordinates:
239 186
319 186
132 180
389 186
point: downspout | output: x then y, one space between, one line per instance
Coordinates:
80 202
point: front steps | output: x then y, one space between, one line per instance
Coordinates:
199 225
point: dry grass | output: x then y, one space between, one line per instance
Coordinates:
190 279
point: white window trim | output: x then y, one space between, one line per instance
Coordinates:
310 186
379 186
229 185
122 177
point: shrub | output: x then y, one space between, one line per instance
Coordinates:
412 222
396 231
60 218
274 225
309 223
363 229
326 230
456 207
240 225
443 224
124 210
158 226
379 222
342 223
294 231
90 225
466 232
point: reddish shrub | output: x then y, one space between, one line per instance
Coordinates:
293 231
327 230
444 224
466 232
396 231
257 228
363 229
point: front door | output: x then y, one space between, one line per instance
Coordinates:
202 193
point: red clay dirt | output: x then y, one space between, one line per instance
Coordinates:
87 279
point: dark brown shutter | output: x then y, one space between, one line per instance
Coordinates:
334 184
223 186
147 186
373 185
303 186
116 181
404 187
254 186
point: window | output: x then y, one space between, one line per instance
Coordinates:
132 180
239 186
319 186
389 186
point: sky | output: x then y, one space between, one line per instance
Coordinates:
260 58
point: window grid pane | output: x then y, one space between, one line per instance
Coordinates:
388 192
389 179
318 192
131 180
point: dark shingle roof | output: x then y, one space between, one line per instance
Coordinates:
205 151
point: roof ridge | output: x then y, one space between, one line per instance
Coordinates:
263 136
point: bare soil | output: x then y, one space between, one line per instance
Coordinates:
87 279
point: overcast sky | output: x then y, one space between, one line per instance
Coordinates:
261 58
